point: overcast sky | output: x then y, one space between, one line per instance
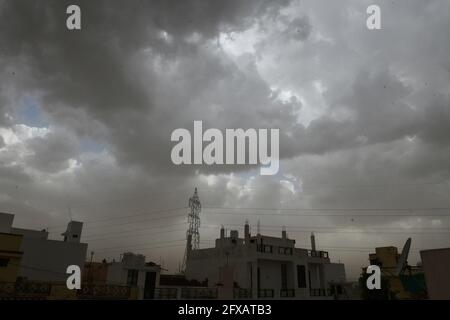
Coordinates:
364 118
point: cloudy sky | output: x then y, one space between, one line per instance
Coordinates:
364 118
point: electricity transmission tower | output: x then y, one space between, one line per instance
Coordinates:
192 234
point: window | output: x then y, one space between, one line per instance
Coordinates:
264 248
286 251
4 262
132 278
301 276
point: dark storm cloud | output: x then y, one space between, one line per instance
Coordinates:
436 129
355 108
13 175
108 68
52 152
89 69
377 114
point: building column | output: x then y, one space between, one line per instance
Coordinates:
255 279
294 276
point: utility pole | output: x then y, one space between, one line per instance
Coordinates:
192 234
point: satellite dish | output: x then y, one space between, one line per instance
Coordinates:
402 261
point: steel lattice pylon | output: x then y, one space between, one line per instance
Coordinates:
192 234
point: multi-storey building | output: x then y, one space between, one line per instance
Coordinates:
261 266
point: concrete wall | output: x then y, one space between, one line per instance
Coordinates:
95 272
314 276
47 260
270 274
118 275
436 266
43 259
205 263
334 272
6 221
10 251
27 233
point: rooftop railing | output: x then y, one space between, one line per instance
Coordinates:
317 254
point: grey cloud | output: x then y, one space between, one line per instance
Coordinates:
377 107
435 128
107 69
300 28
13 175
52 152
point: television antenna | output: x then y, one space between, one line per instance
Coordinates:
403 260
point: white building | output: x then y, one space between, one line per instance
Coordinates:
44 259
133 271
265 267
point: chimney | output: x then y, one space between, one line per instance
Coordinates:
283 233
247 232
313 242
222 232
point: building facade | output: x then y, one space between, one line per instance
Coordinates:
408 284
44 259
264 267
95 272
436 266
133 271
10 250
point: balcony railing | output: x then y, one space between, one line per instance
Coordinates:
266 293
287 293
25 290
317 254
92 291
240 293
166 293
198 293
264 248
319 292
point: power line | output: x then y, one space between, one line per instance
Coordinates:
334 248
307 229
147 248
134 234
137 245
86 237
129 216
143 248
353 210
330 209
304 186
315 210
150 219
